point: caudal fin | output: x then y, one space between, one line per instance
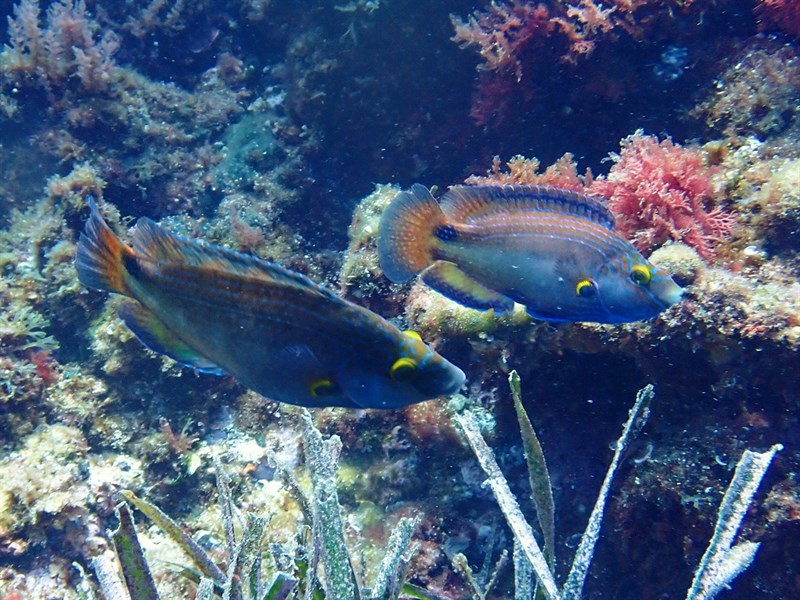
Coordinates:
407 233
101 257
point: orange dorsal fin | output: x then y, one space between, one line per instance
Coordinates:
406 235
102 260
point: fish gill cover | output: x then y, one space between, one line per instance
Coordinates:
284 130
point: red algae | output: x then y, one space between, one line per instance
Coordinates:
783 15
661 191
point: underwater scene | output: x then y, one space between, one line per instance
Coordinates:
394 299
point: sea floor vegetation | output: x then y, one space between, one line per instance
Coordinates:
284 130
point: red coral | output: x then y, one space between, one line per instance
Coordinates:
662 191
782 14
525 171
63 48
45 366
503 32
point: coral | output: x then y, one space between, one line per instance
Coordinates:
583 24
436 316
360 276
679 260
50 486
77 398
503 32
72 190
756 94
158 14
781 14
531 51
524 171
776 208
660 191
65 47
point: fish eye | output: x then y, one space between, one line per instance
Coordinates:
586 288
641 275
322 388
402 369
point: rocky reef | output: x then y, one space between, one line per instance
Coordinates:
284 130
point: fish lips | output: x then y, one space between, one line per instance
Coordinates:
369 390
667 291
660 295
448 380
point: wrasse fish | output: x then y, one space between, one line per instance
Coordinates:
553 251
275 331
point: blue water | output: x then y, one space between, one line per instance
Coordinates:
261 126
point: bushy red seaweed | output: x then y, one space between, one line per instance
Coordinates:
781 14
661 191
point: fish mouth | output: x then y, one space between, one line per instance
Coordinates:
449 382
457 379
668 293
662 294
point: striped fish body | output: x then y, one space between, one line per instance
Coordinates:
554 251
274 330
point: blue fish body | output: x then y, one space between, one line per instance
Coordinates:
275 331
554 251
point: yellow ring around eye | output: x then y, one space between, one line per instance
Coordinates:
323 387
641 275
413 334
402 369
585 288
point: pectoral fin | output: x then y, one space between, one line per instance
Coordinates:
156 336
446 278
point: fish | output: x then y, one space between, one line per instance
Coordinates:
274 330
554 251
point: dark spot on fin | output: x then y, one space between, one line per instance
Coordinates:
465 203
446 233
131 265
101 260
157 337
446 278
406 232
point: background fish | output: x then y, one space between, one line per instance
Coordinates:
276 331
554 251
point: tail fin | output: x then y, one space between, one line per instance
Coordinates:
101 256
406 234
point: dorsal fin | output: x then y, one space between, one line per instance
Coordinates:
463 203
157 245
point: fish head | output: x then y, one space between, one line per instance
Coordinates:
414 373
630 288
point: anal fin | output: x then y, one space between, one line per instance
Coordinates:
156 336
446 278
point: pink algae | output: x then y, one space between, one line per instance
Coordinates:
661 191
783 15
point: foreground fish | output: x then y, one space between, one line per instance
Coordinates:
554 251
276 331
